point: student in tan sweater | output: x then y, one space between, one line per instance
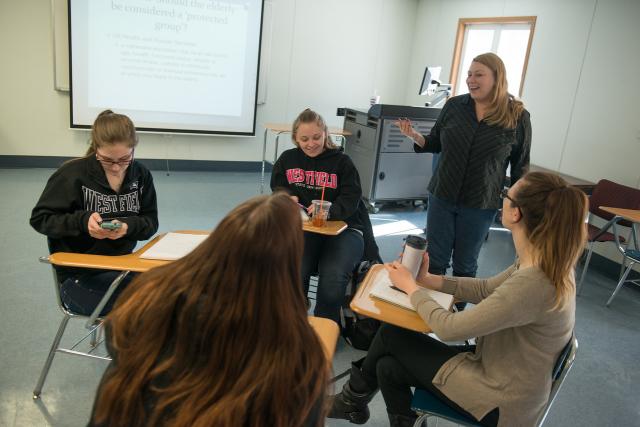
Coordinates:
523 317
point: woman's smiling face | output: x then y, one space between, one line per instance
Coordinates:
310 138
480 82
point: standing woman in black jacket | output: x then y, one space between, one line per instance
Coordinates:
80 198
478 135
314 167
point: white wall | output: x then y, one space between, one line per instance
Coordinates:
324 55
581 85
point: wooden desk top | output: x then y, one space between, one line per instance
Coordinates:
582 184
632 215
129 262
333 228
363 304
133 262
282 127
327 331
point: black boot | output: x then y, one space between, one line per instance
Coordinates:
352 405
396 420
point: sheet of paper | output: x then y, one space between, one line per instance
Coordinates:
381 289
173 246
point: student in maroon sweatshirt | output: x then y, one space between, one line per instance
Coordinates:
304 171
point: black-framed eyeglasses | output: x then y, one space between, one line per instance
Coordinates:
504 194
121 162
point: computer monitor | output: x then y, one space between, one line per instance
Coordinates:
430 81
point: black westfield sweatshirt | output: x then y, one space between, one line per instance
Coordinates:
305 177
78 189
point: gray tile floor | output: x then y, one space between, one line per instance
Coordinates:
602 389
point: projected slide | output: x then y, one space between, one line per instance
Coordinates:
174 65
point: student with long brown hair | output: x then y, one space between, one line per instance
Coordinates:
221 336
523 318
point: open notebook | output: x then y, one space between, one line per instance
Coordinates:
381 288
173 246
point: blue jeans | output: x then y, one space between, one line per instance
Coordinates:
456 232
81 294
334 258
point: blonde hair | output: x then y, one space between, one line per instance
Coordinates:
310 116
553 213
110 128
504 109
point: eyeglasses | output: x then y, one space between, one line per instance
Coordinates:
504 194
109 162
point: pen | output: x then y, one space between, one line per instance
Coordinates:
398 289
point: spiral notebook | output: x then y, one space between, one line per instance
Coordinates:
383 289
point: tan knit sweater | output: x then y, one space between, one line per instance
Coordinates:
519 340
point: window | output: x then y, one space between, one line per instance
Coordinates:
509 38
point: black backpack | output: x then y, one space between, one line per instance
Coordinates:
356 329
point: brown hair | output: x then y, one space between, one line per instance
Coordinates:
310 116
221 336
111 128
504 109
554 216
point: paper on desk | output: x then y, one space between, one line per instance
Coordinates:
381 289
173 246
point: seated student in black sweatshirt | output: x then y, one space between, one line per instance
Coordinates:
107 185
317 165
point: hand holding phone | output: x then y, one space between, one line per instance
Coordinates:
110 225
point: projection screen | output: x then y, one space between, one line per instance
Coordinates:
185 66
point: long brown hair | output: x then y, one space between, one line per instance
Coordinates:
111 128
310 116
221 336
554 216
504 109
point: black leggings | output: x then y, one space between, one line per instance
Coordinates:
81 294
399 359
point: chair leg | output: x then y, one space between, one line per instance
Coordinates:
584 269
94 337
623 265
421 421
620 283
52 352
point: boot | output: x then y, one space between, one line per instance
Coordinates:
396 420
349 404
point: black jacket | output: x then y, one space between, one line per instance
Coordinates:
305 177
474 156
78 189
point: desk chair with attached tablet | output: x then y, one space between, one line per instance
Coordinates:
93 326
426 404
124 264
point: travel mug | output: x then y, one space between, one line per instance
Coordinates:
414 247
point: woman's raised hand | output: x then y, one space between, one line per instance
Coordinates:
406 128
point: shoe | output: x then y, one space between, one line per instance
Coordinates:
396 420
349 404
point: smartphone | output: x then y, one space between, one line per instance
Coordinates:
110 225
